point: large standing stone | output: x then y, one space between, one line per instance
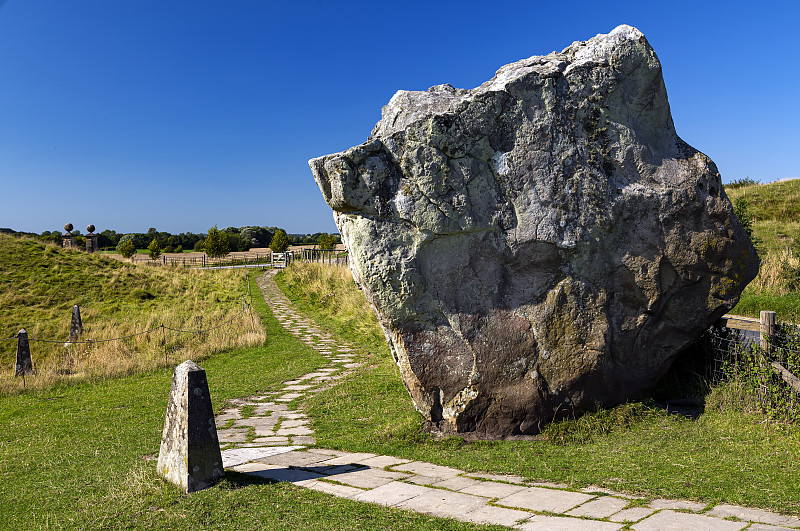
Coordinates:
541 244
24 363
190 456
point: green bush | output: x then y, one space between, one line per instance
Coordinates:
126 248
326 241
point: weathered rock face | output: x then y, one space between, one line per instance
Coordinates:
541 244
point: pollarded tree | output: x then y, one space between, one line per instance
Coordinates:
216 244
280 242
154 250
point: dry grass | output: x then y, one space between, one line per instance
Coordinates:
333 293
39 284
776 267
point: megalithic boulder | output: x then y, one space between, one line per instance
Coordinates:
190 456
76 325
24 362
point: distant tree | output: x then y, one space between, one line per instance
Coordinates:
179 249
199 245
326 241
169 249
154 250
126 238
280 242
237 242
126 248
216 244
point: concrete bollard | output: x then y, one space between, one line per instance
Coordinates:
24 362
75 325
190 455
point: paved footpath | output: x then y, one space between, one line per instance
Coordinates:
269 436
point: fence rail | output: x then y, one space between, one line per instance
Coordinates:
24 363
270 259
762 350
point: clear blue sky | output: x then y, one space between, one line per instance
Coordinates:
184 114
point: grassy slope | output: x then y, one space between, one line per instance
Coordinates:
79 457
723 456
776 210
40 283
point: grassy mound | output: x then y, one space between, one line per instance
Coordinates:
775 212
40 283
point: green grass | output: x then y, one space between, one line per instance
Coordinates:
725 455
80 456
775 208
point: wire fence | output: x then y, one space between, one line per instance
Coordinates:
246 259
764 365
23 340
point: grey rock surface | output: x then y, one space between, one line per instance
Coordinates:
540 244
190 456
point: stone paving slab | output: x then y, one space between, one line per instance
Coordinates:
490 489
271 440
341 491
540 499
489 514
425 480
293 459
298 430
677 504
753 515
559 523
296 476
393 493
459 483
672 521
369 478
600 508
238 456
428 469
634 514
348 458
507 478
293 423
382 461
444 504
765 527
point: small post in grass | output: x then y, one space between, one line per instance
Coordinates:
190 456
767 319
75 325
24 363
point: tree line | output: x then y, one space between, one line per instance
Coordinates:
229 239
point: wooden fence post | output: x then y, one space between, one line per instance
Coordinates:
767 328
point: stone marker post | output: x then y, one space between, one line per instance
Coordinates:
24 363
190 456
91 240
75 326
91 243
